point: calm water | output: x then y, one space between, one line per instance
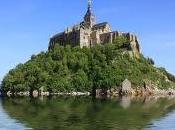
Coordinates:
87 114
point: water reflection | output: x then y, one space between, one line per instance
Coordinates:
77 113
7 123
125 102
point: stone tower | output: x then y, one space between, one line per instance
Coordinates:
89 18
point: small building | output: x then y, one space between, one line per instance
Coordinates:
126 87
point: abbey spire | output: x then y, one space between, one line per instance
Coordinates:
89 4
89 18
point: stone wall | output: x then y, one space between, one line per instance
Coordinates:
85 39
71 38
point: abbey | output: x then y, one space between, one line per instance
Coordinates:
89 33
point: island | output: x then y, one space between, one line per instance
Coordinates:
90 59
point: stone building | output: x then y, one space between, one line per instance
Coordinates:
89 33
126 87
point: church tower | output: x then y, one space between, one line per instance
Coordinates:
89 18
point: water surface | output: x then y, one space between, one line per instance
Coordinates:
83 113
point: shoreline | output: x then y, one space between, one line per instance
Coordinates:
99 93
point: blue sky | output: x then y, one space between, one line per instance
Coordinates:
26 25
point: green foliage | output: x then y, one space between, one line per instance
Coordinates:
169 76
122 43
66 69
151 61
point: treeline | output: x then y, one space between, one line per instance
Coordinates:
66 69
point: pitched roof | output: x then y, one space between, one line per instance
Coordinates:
100 25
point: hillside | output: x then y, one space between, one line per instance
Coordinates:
67 69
